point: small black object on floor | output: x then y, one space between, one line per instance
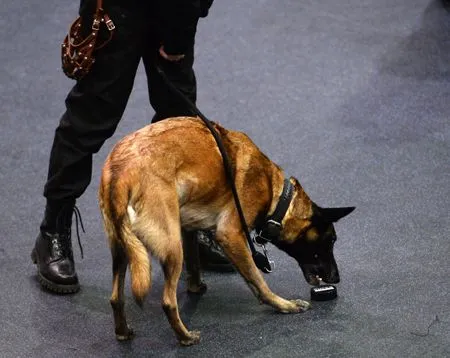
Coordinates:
323 293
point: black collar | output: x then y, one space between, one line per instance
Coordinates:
271 228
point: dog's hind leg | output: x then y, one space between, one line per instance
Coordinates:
236 248
172 265
157 223
120 262
192 262
126 248
119 268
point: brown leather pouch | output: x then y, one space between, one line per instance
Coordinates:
78 51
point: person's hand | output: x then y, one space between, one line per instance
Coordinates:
171 58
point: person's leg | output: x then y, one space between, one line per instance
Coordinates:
94 107
165 102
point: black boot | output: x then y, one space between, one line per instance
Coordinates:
53 253
211 255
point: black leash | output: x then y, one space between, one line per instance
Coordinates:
261 260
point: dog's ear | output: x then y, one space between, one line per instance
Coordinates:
334 214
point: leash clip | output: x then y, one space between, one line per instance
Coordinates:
271 262
262 259
260 238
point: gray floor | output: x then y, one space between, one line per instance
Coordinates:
351 97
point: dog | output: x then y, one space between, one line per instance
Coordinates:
167 180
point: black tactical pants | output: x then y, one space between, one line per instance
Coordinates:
96 103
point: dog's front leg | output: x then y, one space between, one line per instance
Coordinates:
236 248
192 262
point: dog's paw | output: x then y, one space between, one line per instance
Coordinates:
126 335
197 288
193 337
301 305
294 306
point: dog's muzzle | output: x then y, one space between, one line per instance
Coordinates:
313 274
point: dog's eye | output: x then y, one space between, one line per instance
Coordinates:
316 256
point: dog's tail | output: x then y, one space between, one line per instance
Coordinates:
139 262
118 225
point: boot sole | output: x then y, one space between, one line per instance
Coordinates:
51 286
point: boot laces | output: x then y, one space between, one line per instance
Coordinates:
60 246
79 220
56 246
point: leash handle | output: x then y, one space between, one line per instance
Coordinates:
261 260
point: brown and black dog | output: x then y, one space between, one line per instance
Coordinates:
168 179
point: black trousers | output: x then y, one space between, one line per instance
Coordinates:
96 103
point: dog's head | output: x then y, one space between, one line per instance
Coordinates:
312 246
